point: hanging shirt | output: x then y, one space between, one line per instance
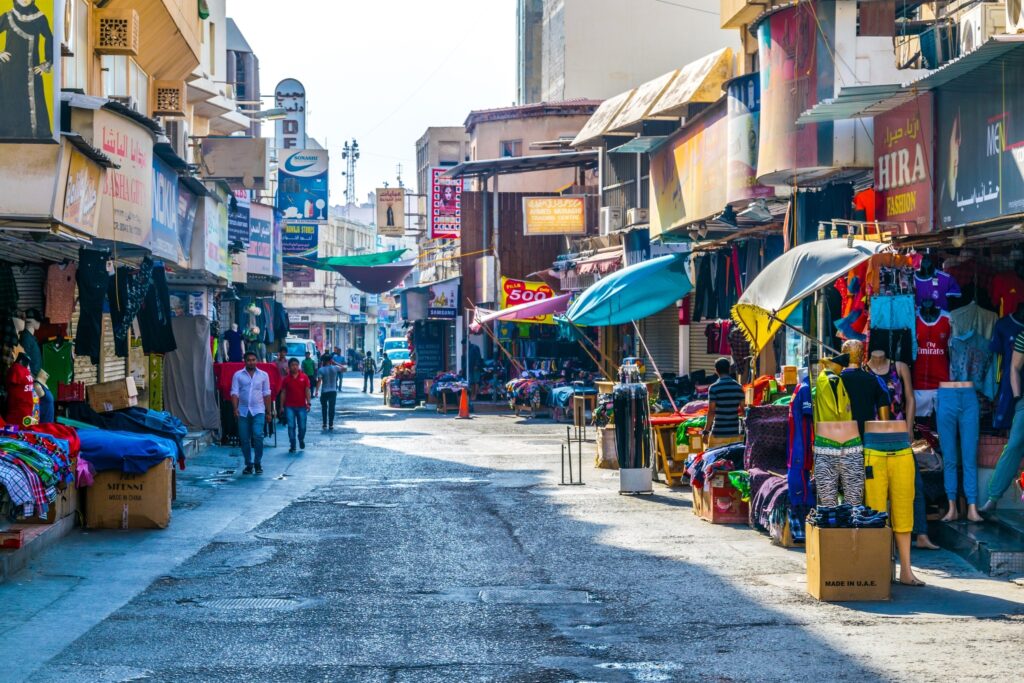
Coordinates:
1007 292
1004 334
866 395
932 365
831 402
21 396
58 363
970 360
60 292
800 454
973 318
939 287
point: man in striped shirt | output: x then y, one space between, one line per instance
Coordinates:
725 403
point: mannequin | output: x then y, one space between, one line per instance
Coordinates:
235 347
27 340
934 330
867 397
934 285
838 450
889 483
22 404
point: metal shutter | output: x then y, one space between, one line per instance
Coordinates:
661 333
30 280
85 371
111 367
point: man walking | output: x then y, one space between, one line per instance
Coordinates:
296 392
309 369
282 369
250 398
327 379
369 370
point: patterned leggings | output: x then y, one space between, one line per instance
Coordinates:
836 462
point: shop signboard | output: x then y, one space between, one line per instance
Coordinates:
187 303
686 174
904 165
300 239
188 205
211 252
163 236
290 132
30 72
238 219
443 300
565 215
82 193
516 292
743 108
126 212
445 205
239 267
981 148
261 240
797 72
302 187
347 300
391 211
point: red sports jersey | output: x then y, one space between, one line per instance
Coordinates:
932 364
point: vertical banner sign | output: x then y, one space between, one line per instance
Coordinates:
445 205
516 292
163 238
391 211
126 212
238 218
278 250
904 163
744 112
290 132
261 240
30 79
302 185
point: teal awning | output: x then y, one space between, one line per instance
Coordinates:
632 293
359 260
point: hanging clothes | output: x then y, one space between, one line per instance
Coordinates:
58 363
155 316
91 277
126 293
60 292
1003 336
704 294
800 462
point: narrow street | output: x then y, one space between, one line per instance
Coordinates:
407 546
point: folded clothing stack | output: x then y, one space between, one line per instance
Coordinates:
847 516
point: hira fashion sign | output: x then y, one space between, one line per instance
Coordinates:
302 187
290 132
391 211
566 215
516 292
30 62
980 141
445 206
904 161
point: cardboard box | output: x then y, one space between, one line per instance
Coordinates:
720 502
849 564
131 501
115 395
65 505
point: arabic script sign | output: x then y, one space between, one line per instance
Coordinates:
904 164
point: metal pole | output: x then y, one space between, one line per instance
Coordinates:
568 438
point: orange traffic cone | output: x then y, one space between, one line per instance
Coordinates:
463 407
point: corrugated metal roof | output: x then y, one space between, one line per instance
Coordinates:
871 100
508 165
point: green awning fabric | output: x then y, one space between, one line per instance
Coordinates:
360 260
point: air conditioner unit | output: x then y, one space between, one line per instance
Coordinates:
116 32
1014 16
637 217
128 101
611 219
980 23
177 133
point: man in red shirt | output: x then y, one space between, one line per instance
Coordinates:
296 390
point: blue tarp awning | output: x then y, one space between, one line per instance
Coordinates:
632 293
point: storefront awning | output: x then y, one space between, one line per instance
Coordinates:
632 293
602 262
871 100
532 309
510 165
595 128
697 82
376 279
789 279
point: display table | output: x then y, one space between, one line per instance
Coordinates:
664 427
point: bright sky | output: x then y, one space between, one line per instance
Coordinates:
382 71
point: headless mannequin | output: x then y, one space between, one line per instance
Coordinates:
972 509
838 431
902 539
927 269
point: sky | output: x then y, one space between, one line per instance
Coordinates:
382 71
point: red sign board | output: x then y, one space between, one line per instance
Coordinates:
904 165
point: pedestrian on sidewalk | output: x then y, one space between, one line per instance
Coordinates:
282 369
369 370
340 360
386 366
250 398
296 392
309 369
726 401
327 379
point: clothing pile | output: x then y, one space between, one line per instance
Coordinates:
527 391
847 516
561 397
447 381
33 465
137 421
701 466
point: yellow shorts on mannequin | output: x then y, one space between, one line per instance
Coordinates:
889 485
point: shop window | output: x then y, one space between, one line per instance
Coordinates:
115 76
76 68
241 92
510 148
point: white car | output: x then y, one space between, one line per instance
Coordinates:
398 355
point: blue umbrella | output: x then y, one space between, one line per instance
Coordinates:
632 293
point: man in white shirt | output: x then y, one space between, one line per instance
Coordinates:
250 396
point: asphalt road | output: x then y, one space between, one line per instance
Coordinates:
407 546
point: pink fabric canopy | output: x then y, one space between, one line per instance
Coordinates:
533 309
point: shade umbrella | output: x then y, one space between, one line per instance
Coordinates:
531 309
632 293
786 281
332 262
376 279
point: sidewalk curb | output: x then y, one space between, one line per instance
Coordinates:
13 561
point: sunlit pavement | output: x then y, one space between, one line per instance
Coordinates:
408 546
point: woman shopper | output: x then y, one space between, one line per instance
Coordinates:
296 391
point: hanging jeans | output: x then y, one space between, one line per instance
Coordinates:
1009 462
92 279
250 437
836 463
328 401
957 411
296 425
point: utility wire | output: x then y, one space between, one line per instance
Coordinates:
690 7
